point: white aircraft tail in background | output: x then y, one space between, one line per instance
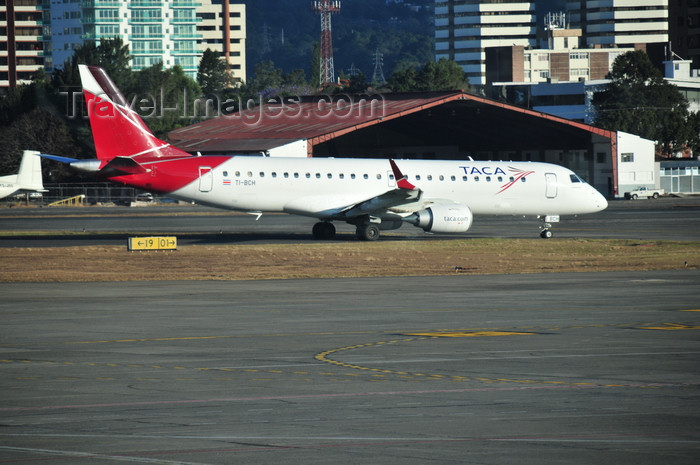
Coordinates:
27 179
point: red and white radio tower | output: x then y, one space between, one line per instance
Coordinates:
326 8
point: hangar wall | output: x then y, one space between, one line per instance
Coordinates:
636 163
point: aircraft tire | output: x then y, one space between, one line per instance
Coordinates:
367 232
546 234
323 230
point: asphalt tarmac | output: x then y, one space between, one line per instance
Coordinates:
661 219
575 368
514 369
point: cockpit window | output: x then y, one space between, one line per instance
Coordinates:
575 178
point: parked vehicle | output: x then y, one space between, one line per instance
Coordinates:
146 197
643 192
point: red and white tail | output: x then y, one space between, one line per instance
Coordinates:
118 131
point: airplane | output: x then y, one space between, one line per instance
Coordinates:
372 194
27 179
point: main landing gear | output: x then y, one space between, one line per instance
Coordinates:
545 232
323 230
365 231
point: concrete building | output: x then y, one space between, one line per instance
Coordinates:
155 30
21 41
175 32
684 29
222 28
560 58
619 23
464 29
573 100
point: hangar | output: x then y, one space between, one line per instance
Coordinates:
434 125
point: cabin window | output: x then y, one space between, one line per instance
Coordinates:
500 179
238 174
318 175
225 173
418 177
365 176
250 174
476 178
523 179
442 178
274 174
341 176
452 178
352 175
465 178
286 175
262 174
308 175
296 175
391 176
330 176
379 176
511 179
488 178
430 177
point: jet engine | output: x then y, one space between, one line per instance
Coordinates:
442 218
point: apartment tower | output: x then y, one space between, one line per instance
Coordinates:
464 29
620 23
21 41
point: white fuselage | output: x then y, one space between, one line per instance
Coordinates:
319 187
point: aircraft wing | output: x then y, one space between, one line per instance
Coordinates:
404 192
346 207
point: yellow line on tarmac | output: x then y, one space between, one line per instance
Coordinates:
471 334
672 327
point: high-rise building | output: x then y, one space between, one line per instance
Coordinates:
222 28
464 29
684 30
620 23
155 30
21 41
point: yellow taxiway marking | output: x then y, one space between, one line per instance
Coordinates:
470 334
692 310
672 327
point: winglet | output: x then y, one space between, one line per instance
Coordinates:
401 179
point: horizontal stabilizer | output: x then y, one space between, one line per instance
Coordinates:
57 158
120 166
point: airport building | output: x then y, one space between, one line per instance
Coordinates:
433 125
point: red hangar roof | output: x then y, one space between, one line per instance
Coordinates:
368 125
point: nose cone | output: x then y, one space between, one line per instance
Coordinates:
599 202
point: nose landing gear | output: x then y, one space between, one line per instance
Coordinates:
545 232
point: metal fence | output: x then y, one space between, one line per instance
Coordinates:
96 192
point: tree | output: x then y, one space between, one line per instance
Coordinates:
435 75
638 100
212 74
266 77
164 98
110 54
35 130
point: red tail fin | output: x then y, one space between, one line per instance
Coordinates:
117 130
